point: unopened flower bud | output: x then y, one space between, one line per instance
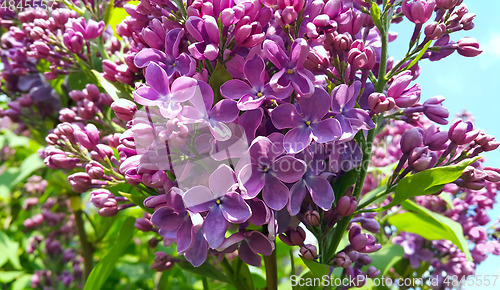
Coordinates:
468 47
435 30
343 260
312 217
143 224
124 109
372 272
418 11
447 4
309 252
461 132
346 205
421 158
80 182
379 103
411 139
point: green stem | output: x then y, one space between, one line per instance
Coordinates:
292 263
205 283
87 251
271 271
238 283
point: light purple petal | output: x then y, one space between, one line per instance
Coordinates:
197 254
275 193
286 116
297 194
184 88
148 55
224 111
157 78
259 243
254 71
196 196
248 102
264 151
185 65
166 218
194 25
235 89
146 96
248 256
289 169
235 209
359 119
215 227
280 81
250 121
347 131
185 237
326 130
297 139
316 106
172 41
302 84
252 180
321 191
220 131
299 52
275 54
221 180
233 239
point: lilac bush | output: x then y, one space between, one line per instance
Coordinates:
232 132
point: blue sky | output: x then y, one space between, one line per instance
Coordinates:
468 83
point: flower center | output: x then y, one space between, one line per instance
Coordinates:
308 123
265 169
218 201
259 94
173 65
289 71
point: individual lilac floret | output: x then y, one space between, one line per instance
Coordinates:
461 132
404 97
292 74
222 203
89 30
418 11
251 96
206 32
158 93
225 111
308 126
251 244
170 60
318 187
351 119
267 171
179 225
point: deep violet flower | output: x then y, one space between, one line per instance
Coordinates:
292 75
222 203
251 244
251 96
351 119
309 125
171 60
157 92
267 171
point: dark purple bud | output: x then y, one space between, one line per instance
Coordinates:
91 93
143 224
468 47
312 217
76 95
155 201
124 109
153 243
370 225
356 238
309 252
421 158
461 132
434 139
80 182
343 260
411 139
372 272
346 205
434 110
470 184
447 4
435 30
162 262
364 259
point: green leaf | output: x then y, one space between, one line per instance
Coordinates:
430 225
217 79
14 140
22 282
427 182
9 276
447 198
319 270
387 257
115 91
375 13
10 249
205 270
116 15
29 165
242 272
137 199
419 56
104 268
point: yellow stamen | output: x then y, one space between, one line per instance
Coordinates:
308 123
218 201
289 71
259 94
174 64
